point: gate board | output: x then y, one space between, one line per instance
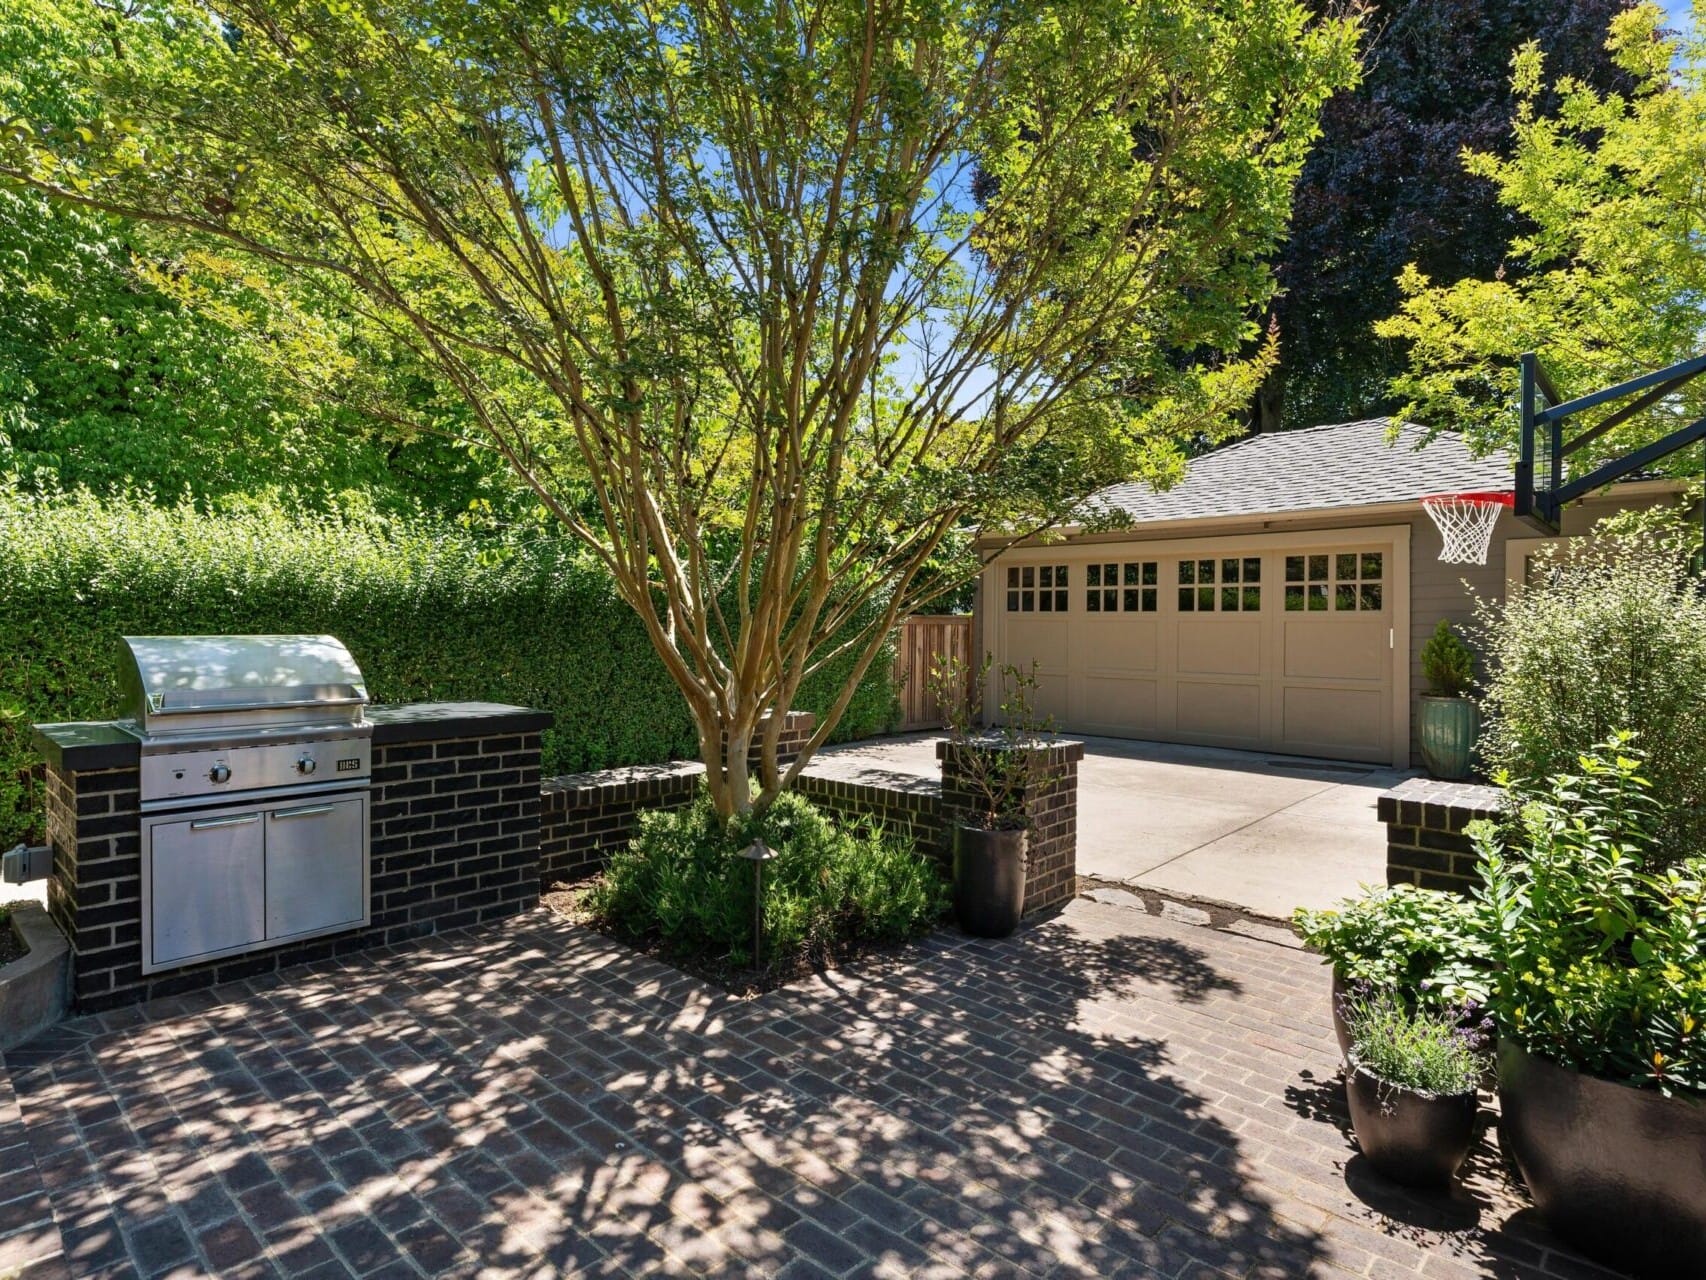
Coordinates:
1269 642
924 641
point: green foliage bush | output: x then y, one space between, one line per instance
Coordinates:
679 883
1448 665
430 612
1607 642
1599 955
1422 944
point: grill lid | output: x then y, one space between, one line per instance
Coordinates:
175 684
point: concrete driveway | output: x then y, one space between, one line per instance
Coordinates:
1257 832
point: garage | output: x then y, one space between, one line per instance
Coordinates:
1261 642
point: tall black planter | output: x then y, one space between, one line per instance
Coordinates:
1417 1139
1617 1171
989 880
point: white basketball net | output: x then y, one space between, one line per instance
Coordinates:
1465 523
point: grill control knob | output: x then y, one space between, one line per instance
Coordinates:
219 773
305 764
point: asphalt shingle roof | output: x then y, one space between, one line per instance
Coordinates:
1346 464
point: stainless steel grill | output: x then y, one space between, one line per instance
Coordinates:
256 766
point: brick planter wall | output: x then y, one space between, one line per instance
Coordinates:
455 810
1051 805
912 808
588 816
1425 844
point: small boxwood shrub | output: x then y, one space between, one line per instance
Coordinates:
830 887
431 612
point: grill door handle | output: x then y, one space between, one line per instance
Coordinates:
236 820
307 811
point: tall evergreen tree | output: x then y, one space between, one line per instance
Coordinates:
1386 186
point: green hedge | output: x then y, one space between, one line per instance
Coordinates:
431 613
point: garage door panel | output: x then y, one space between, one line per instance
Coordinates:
1291 652
1334 721
1117 645
1219 709
1118 705
1038 637
1340 649
1051 698
1220 647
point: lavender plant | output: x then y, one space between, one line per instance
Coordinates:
1441 1052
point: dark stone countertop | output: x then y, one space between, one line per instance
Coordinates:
430 721
85 746
90 745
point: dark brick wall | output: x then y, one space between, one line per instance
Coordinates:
1425 844
94 893
455 841
1051 806
911 809
587 816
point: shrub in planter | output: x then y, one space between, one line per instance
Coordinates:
830 888
1599 994
1421 944
1411 1083
1449 722
1000 765
1609 641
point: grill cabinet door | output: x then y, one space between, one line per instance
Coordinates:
207 887
316 862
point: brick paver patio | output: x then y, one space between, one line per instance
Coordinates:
1106 1094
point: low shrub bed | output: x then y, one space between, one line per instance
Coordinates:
430 611
831 892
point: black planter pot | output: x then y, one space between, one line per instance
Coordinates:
1617 1171
989 880
1416 1139
1341 1032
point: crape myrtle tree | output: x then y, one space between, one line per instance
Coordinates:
710 277
1609 271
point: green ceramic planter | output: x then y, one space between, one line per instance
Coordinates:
1448 730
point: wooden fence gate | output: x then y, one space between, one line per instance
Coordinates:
924 641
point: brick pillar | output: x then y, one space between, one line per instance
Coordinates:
1051 808
1425 844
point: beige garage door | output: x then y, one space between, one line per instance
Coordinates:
1265 645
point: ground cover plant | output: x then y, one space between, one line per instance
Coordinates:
1602 642
832 889
431 613
1598 948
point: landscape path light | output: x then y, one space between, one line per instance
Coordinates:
757 853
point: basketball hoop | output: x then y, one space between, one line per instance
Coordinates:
1466 523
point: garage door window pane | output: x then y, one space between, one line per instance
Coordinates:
1092 602
1252 569
1317 597
1294 570
1205 599
1371 596
1346 568
1187 571
1093 576
1187 600
1317 568
1294 599
1345 597
1371 566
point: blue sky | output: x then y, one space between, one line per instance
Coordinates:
1679 13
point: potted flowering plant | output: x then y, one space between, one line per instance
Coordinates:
1411 1079
999 765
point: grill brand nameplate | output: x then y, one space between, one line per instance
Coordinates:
352 765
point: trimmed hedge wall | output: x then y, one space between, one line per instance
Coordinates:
430 613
